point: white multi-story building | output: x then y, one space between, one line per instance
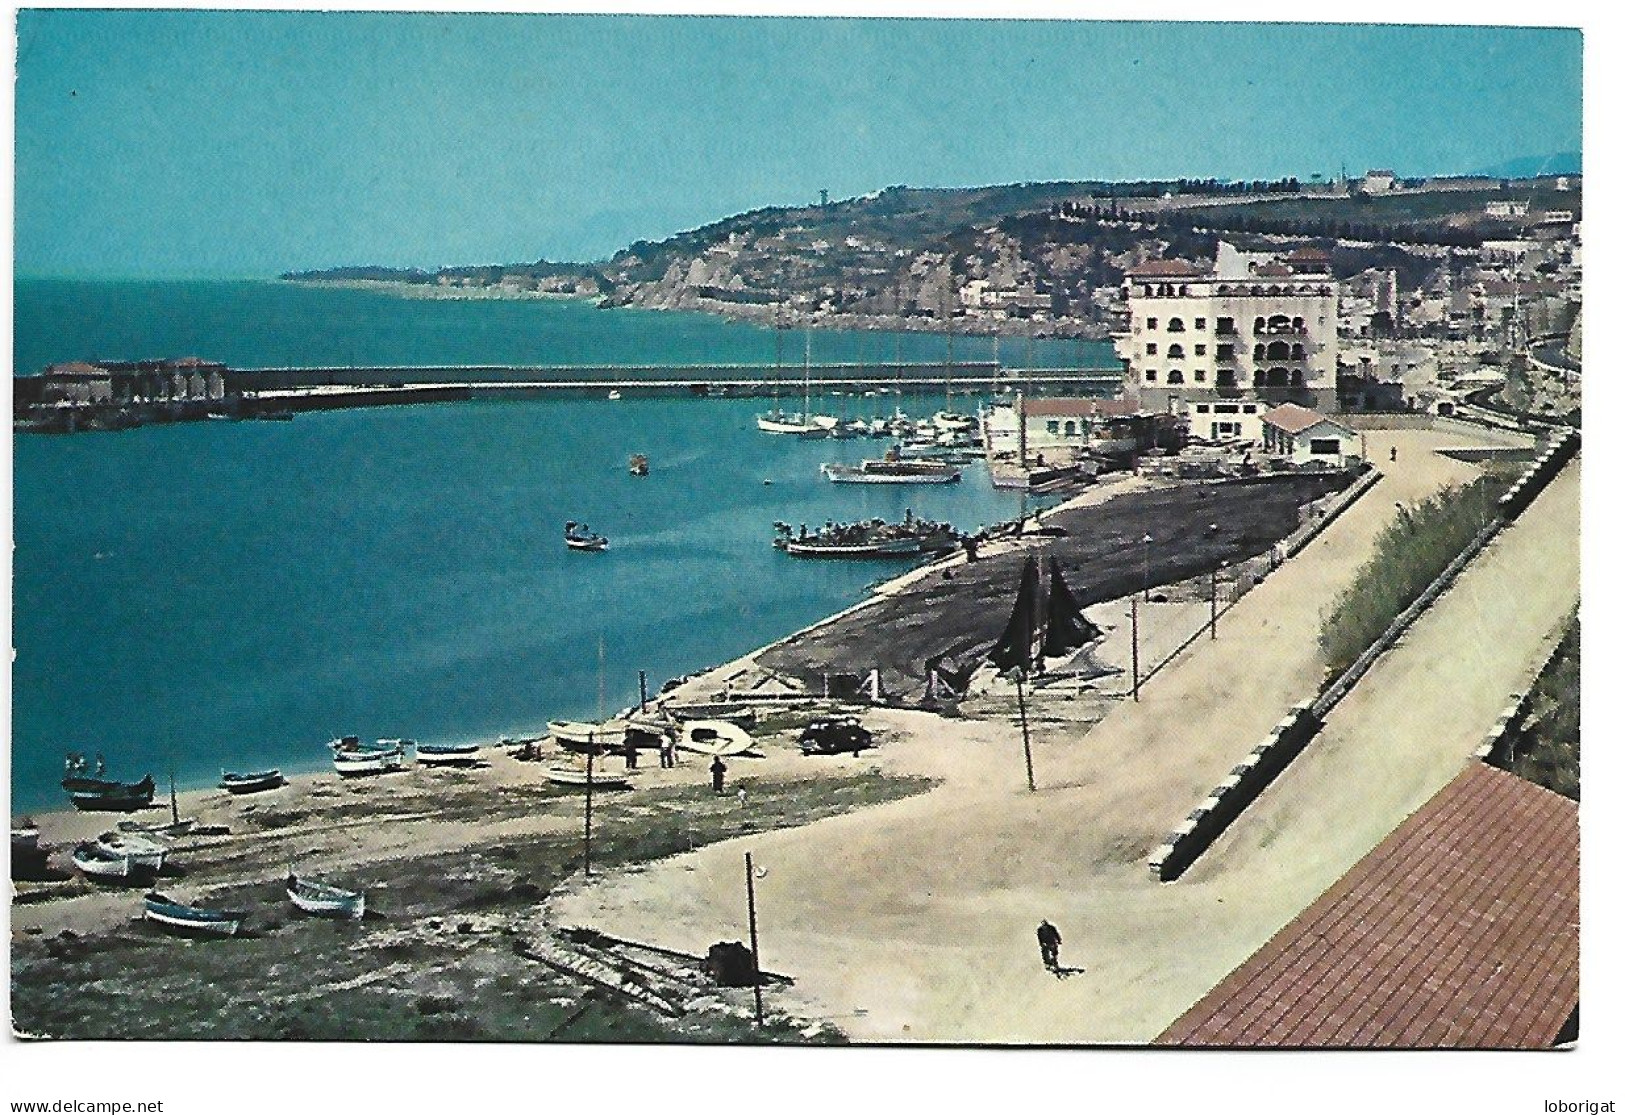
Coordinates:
1250 327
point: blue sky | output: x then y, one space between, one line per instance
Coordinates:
246 143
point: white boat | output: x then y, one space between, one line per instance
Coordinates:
579 536
869 548
614 395
778 422
102 865
806 423
192 919
324 900
576 735
145 853
354 761
577 776
892 471
447 754
714 737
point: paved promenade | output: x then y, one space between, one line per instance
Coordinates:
914 921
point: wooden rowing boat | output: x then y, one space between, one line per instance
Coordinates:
181 918
323 900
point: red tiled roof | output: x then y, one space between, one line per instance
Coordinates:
1273 270
1080 408
75 368
1166 269
1461 929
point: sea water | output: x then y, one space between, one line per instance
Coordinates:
233 594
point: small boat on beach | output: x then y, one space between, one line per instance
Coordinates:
181 918
27 857
714 737
250 783
448 754
734 712
168 829
101 866
575 735
579 536
323 900
100 794
144 851
352 759
601 780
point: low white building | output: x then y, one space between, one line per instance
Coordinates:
1303 436
1235 420
1058 430
1378 181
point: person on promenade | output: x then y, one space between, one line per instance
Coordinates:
1393 453
668 752
631 756
719 771
1049 946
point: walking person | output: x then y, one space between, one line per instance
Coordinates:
668 752
1049 946
719 771
1393 453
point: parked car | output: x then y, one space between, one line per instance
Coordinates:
835 735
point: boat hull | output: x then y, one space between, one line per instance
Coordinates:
97 865
322 901
577 778
447 756
234 783
356 764
891 548
714 737
99 795
179 918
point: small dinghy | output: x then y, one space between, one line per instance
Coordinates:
714 737
234 782
579 536
352 758
323 900
168 829
102 866
601 780
181 918
575 735
448 754
144 851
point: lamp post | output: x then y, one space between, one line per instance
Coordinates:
1145 570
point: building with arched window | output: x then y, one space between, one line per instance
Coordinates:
1250 326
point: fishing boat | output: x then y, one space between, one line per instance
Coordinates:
181 918
638 465
253 782
575 735
103 866
144 850
323 900
577 776
448 754
734 712
867 548
166 829
93 794
578 536
352 760
714 737
892 470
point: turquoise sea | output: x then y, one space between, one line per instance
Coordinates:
233 594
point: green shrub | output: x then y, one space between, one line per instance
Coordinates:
1416 548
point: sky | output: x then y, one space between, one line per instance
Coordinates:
239 143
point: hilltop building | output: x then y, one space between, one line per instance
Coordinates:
1250 327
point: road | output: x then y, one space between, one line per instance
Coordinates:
914 921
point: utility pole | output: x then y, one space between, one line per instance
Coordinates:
1026 739
586 841
1145 570
1213 605
755 947
1134 621
643 690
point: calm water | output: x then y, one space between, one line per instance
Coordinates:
233 594
273 324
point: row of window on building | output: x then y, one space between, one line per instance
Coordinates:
1226 290
1226 326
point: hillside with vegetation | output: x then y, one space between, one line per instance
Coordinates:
1038 257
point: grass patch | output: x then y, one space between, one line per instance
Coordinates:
1411 552
1546 746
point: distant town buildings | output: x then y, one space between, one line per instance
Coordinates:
1378 181
1250 327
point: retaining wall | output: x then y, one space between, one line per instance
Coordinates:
1235 793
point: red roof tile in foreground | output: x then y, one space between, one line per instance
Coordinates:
1461 929
1079 408
1292 418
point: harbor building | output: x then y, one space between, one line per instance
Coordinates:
1052 431
1250 327
1303 437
